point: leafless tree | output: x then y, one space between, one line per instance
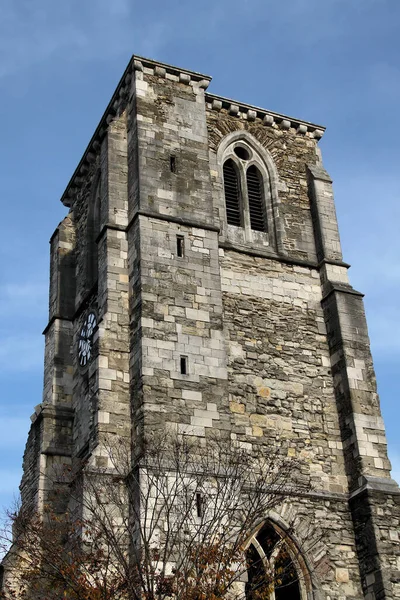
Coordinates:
172 521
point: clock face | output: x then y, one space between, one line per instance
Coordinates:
85 343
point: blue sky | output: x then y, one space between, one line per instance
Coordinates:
334 62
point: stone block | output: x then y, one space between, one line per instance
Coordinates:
342 575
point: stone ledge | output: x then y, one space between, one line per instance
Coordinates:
376 485
84 304
318 172
268 118
154 67
53 319
43 411
336 263
172 219
160 217
330 288
56 451
270 254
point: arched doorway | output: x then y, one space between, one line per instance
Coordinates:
274 564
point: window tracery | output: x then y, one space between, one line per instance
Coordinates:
248 192
274 572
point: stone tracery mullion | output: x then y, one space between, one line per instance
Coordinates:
268 567
275 552
245 201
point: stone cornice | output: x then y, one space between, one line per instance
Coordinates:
52 411
376 485
269 118
331 287
153 67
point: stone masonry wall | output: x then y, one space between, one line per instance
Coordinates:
177 305
181 316
280 384
112 366
376 517
170 123
251 328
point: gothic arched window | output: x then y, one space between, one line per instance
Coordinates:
273 567
246 195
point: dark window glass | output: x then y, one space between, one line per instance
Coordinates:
242 153
268 538
184 365
232 194
286 579
268 572
257 585
180 245
256 200
199 505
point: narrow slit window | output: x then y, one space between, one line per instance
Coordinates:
184 365
199 504
232 195
172 163
180 246
256 199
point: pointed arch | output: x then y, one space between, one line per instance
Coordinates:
256 146
276 568
261 223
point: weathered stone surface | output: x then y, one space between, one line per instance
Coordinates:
272 336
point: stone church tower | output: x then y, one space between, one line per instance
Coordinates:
197 283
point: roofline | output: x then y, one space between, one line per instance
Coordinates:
173 70
139 63
99 132
261 112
